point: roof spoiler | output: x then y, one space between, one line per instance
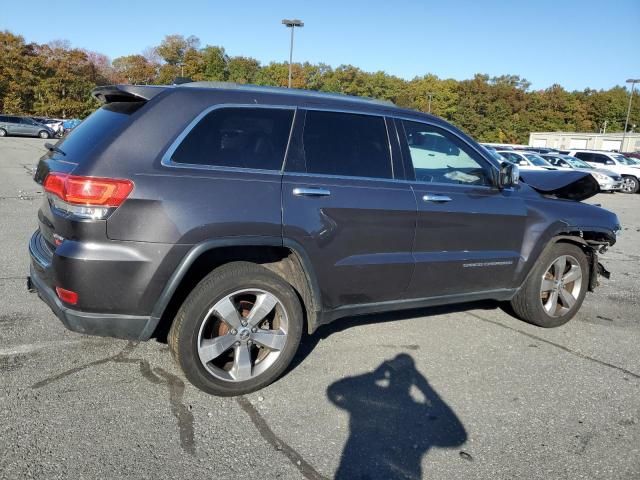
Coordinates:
126 93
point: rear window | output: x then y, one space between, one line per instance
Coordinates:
238 137
101 125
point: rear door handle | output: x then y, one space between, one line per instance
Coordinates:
436 198
311 192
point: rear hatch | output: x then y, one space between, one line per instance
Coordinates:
77 217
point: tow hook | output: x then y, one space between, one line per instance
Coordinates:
30 286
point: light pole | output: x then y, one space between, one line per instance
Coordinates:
633 82
292 24
429 94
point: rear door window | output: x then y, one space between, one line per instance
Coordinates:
253 138
346 144
588 157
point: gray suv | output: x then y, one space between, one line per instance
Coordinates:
235 218
23 126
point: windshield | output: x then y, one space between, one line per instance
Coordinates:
576 162
494 154
625 160
537 160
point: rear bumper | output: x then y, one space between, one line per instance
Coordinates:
105 325
131 327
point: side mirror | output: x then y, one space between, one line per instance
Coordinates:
609 162
509 175
523 163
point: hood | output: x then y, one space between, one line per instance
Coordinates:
604 171
571 185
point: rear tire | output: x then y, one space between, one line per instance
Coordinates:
630 184
555 288
3 132
43 134
222 338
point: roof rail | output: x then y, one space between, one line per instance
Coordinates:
284 91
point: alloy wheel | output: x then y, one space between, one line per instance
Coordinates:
629 185
561 286
242 335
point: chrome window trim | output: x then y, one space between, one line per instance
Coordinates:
167 161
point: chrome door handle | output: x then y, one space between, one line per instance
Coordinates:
436 198
311 192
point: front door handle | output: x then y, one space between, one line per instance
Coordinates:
436 198
311 192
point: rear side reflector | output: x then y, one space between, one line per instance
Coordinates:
67 296
89 191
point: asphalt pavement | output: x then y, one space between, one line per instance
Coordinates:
444 393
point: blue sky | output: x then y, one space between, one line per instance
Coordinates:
576 43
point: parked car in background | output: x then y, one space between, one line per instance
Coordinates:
635 155
608 180
54 123
542 150
616 162
23 126
69 125
526 160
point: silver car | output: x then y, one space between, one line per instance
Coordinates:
23 126
609 181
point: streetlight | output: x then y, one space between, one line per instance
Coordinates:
633 82
429 94
292 24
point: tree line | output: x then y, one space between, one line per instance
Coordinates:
55 80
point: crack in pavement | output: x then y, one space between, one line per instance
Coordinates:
557 345
269 435
156 376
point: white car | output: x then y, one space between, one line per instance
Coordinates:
616 162
608 180
526 160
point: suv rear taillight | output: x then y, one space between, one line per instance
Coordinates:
86 197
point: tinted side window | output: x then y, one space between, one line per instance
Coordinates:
238 137
3 118
587 157
346 144
439 156
600 158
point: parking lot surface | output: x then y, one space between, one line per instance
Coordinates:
457 392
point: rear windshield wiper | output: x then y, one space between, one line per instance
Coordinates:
53 148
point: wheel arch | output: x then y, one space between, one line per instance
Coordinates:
286 259
590 241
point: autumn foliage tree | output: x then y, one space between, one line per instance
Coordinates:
56 80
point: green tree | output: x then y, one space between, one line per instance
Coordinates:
173 48
134 69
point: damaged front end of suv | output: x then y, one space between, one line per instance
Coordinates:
589 226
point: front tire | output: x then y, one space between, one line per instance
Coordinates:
630 184
555 288
43 134
237 331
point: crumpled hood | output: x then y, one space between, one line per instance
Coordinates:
571 185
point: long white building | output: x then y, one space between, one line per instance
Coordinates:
592 141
